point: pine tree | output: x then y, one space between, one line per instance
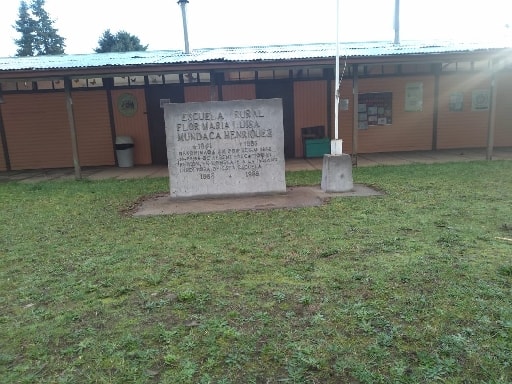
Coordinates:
38 36
26 26
106 42
122 41
47 39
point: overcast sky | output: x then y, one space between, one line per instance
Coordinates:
227 23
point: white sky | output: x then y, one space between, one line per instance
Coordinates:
226 23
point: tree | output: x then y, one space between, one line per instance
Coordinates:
38 36
47 39
26 26
122 41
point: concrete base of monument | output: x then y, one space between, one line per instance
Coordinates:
337 173
295 197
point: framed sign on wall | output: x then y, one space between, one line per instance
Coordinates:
127 104
414 97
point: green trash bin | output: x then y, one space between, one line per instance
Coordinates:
317 147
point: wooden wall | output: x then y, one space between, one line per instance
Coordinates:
345 118
3 165
238 92
503 129
94 136
409 130
200 93
37 131
134 126
310 109
466 128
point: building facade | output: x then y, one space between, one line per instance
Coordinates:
59 110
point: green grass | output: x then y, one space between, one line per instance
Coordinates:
411 287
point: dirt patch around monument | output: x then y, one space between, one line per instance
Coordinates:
295 197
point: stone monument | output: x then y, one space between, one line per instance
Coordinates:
223 148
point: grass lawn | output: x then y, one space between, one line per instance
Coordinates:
411 287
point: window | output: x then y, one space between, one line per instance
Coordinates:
136 80
389 69
481 65
265 75
79 83
375 109
58 84
171 78
277 74
25 86
95 82
121 81
44 84
416 68
156 79
373 70
449 67
8 86
247 75
203 77
465 66
194 77
125 81
306 73
281 74
240 76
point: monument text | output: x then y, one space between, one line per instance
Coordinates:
225 148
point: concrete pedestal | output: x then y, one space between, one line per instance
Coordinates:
337 173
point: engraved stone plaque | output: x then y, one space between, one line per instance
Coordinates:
223 148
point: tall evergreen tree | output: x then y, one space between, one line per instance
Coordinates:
122 41
47 39
26 26
38 36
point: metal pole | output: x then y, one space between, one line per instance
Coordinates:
337 75
397 21
183 4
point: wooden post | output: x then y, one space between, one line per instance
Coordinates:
492 114
72 129
435 117
355 125
3 136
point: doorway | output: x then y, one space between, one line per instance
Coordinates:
156 93
281 89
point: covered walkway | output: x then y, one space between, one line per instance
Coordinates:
363 160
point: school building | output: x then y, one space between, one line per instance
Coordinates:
67 110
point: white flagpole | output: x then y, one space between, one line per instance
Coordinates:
337 144
337 167
337 76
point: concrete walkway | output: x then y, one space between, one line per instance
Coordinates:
362 160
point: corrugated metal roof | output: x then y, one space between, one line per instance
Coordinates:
238 54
